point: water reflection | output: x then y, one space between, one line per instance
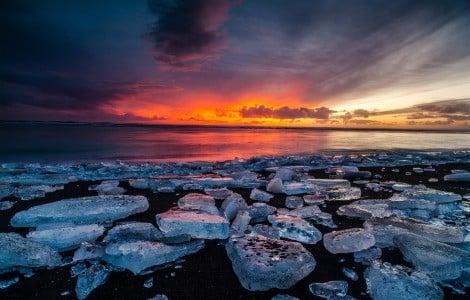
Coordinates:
23 142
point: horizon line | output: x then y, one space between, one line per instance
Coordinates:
137 124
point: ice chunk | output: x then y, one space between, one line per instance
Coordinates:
312 213
86 210
367 256
246 179
88 251
195 201
4 284
219 194
17 251
138 256
266 231
241 222
434 231
67 237
324 219
331 183
284 297
90 279
316 199
259 195
148 283
458 177
439 197
78 269
361 182
364 211
348 240
374 186
439 260
275 186
450 209
284 173
133 231
29 192
294 202
140 183
6 189
231 205
110 187
331 290
259 212
194 223
351 274
344 194
297 188
387 282
383 233
295 228
215 182
306 212
261 263
400 187
159 297
400 202
5 205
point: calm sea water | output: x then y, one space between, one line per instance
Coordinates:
57 142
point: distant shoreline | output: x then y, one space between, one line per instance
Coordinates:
110 124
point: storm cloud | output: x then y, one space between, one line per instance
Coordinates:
285 112
188 33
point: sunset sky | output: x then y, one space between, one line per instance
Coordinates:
394 64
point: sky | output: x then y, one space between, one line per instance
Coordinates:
355 64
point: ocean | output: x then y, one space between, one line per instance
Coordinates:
59 142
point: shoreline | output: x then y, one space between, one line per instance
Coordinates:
453 155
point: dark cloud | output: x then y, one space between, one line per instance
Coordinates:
461 106
285 112
61 92
443 112
362 113
364 122
347 117
350 47
60 55
432 123
130 117
188 33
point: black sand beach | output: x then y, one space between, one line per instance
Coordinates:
208 274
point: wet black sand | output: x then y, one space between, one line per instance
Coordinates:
208 274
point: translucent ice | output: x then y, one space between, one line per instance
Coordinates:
439 260
138 256
348 240
261 263
90 279
387 282
259 195
295 228
194 223
67 237
86 210
17 251
133 231
331 290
